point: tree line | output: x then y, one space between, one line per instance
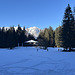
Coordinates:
46 37
62 36
10 38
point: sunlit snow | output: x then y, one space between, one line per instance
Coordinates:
33 61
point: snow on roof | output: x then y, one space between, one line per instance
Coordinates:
30 41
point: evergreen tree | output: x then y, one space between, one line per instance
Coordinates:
11 38
46 37
19 37
41 35
46 34
0 36
24 38
58 36
73 31
42 38
67 28
31 37
3 38
51 36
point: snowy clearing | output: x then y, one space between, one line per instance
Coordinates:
29 61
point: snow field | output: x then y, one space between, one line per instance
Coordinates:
29 61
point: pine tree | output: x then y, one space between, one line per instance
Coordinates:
46 37
51 37
3 38
43 39
58 39
73 31
67 28
19 37
46 34
0 37
24 37
11 39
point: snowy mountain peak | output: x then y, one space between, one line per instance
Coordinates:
33 31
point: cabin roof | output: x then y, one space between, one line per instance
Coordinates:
32 41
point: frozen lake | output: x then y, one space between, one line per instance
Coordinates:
29 61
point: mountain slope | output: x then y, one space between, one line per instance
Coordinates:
33 31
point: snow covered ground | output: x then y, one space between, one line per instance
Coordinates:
30 61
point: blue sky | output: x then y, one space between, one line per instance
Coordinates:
29 13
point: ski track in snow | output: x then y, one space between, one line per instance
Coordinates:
36 63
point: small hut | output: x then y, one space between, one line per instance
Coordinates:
31 43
